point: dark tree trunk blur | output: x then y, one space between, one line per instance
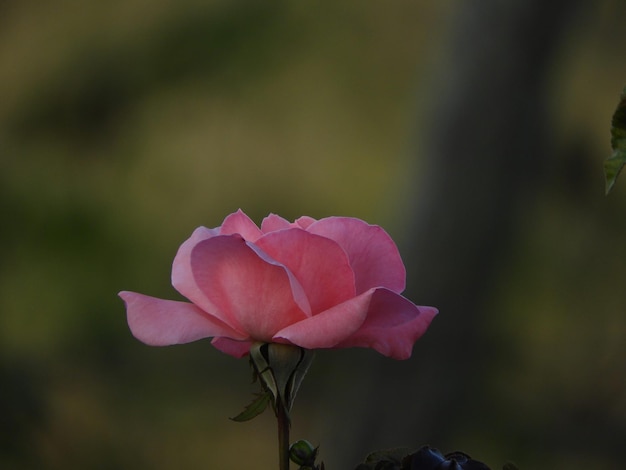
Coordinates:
486 143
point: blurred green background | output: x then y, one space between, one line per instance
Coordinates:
126 124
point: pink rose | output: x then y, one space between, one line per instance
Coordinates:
328 283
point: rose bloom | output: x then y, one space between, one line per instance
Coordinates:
328 283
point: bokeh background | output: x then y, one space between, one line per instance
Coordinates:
474 132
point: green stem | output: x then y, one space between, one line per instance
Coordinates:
283 435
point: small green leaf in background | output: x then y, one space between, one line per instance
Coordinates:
614 164
390 459
255 408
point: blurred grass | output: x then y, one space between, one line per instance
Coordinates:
124 125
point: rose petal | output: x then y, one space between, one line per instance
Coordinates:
160 322
250 291
305 221
296 288
319 264
330 327
184 281
373 255
392 326
239 222
232 347
274 222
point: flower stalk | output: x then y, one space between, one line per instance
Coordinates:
280 368
282 417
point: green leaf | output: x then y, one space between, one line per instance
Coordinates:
389 459
392 455
614 164
255 408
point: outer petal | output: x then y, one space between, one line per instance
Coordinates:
234 348
184 281
319 264
304 221
160 322
239 222
328 328
392 326
373 255
247 289
274 222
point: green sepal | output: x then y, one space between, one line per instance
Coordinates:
260 363
614 164
281 369
290 365
255 408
